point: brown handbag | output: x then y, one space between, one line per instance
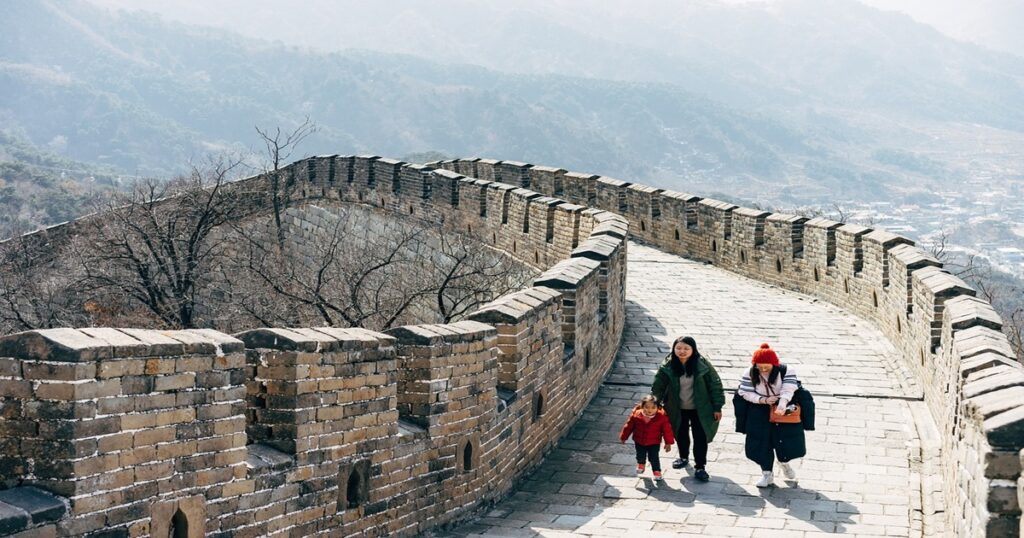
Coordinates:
793 417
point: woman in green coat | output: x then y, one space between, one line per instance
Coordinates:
691 391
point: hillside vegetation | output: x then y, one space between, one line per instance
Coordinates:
800 120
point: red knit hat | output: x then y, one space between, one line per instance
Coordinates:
765 355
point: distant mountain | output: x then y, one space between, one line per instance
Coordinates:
38 188
784 52
145 96
994 24
762 103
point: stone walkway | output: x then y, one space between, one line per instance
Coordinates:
856 480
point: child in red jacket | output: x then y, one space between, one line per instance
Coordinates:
649 424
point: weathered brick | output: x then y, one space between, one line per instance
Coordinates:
175 382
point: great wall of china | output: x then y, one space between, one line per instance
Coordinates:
347 432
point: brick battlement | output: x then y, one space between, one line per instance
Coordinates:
350 432
950 340
304 431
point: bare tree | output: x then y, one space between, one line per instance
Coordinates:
154 244
965 268
279 147
341 277
36 289
469 274
837 213
358 270
1007 297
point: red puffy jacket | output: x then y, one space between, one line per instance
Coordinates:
647 432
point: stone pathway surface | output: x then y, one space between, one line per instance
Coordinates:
857 479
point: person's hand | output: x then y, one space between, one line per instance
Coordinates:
717 415
780 410
668 448
771 399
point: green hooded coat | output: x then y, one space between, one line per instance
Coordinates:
708 395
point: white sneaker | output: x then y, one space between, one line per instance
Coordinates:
787 470
767 480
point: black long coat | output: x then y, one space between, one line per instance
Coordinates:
766 441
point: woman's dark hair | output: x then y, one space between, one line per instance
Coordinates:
678 368
755 375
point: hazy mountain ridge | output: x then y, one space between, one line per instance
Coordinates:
791 52
212 90
147 95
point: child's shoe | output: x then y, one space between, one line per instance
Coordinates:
658 477
640 469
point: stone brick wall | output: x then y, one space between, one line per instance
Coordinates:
950 341
133 427
567 225
340 432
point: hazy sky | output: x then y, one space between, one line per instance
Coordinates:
992 23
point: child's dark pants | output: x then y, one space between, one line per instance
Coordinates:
645 452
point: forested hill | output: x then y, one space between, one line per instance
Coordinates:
145 96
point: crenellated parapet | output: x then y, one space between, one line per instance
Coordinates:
962 364
300 431
134 428
323 430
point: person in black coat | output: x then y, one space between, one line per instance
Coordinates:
768 382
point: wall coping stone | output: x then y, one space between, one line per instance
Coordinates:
74 345
613 182
525 193
982 361
979 339
717 204
942 283
448 174
785 218
644 189
992 403
599 247
887 239
514 307
1006 429
689 198
567 274
752 213
965 311
913 257
547 200
449 333
313 339
855 230
582 176
822 222
993 383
